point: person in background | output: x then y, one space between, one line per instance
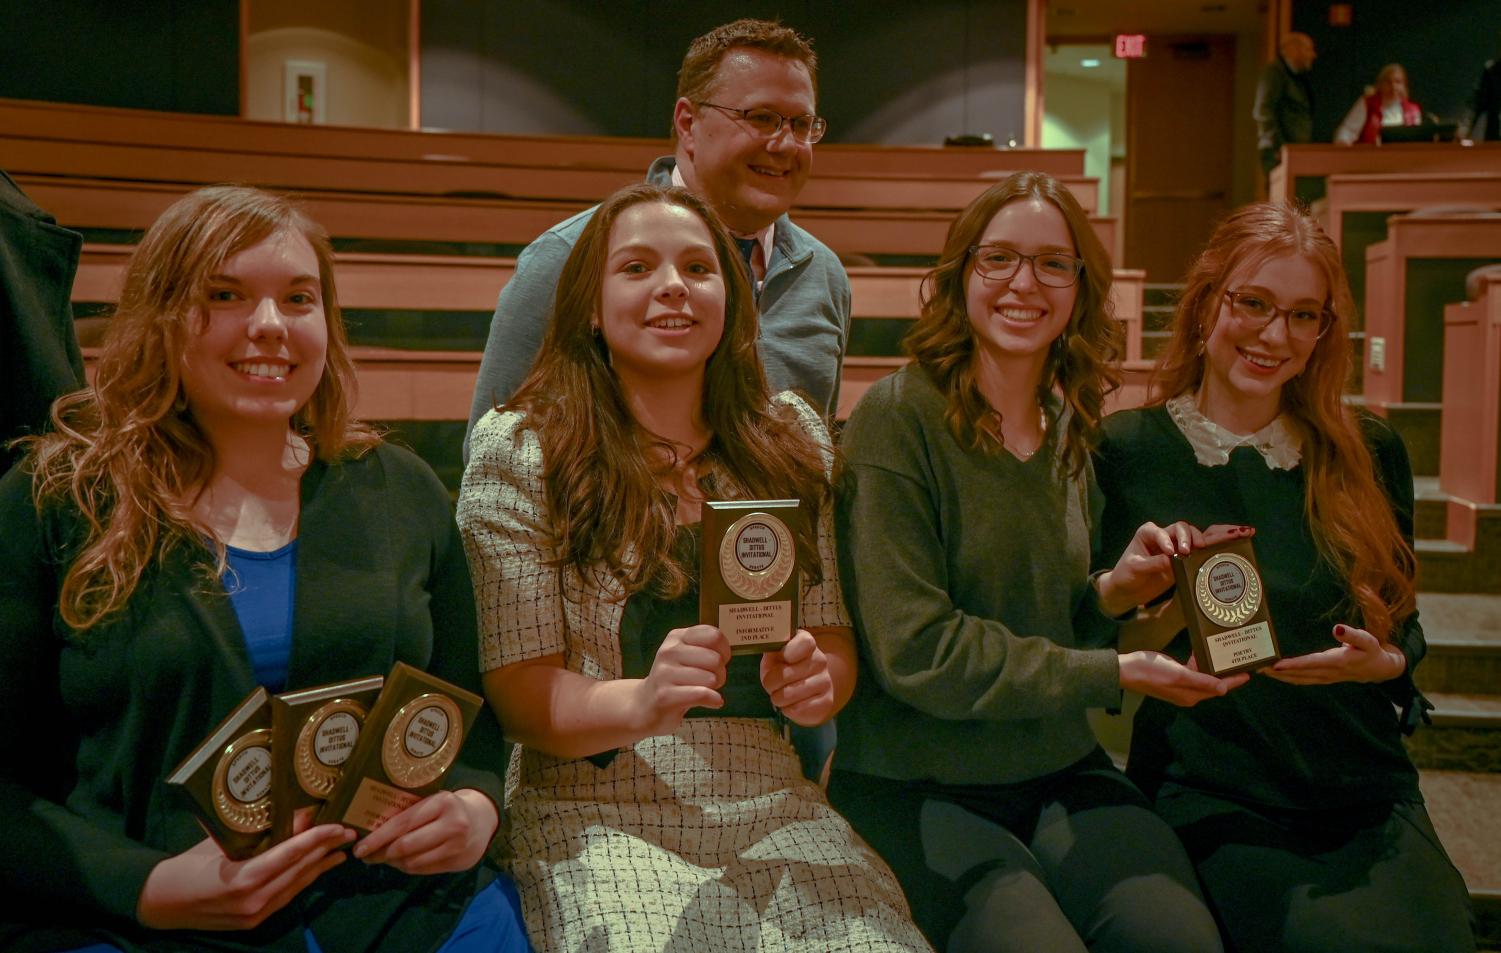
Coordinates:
1283 108
1484 119
39 356
744 127
1385 104
1294 795
658 804
208 517
965 523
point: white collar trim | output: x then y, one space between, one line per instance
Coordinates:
1278 445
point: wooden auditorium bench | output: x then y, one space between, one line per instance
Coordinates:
132 206
472 283
1410 277
423 387
1470 441
209 164
1358 206
1301 174
25 118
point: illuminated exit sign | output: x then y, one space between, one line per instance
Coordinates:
1130 46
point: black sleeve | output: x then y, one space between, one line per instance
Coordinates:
50 857
1394 471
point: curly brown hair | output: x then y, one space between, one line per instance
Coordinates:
126 453
1351 517
1081 364
599 464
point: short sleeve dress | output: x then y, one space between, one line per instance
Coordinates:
709 838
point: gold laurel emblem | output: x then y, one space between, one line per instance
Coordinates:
242 783
422 740
757 556
317 767
1227 589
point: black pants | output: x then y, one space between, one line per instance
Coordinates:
1070 862
1361 880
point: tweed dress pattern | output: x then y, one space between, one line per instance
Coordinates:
707 839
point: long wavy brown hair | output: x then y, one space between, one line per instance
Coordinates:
1351 517
126 453
1081 364
599 465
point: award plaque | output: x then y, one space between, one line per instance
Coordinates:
1224 606
313 732
227 779
749 582
408 742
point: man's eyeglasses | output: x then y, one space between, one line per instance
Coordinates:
999 263
768 122
1255 312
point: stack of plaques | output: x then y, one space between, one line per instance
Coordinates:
358 752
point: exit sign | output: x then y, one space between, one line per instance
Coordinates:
1130 46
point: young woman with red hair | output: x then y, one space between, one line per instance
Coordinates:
1293 794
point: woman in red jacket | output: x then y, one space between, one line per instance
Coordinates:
1384 105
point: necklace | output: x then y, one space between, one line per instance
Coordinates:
1042 436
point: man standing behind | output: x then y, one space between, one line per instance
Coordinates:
1284 100
744 126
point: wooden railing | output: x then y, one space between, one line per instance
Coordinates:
1304 167
1409 278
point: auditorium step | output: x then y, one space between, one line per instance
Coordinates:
1463 632
1459 755
1465 735
1431 512
1464 806
1157 304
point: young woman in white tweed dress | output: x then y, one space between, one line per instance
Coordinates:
655 802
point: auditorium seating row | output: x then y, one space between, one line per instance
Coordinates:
426 225
447 302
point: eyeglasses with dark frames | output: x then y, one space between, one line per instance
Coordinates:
1255 312
999 263
766 123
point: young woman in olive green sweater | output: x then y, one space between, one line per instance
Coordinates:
966 522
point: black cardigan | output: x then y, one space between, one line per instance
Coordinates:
98 719
1290 746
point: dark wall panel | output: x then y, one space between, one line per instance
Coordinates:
890 70
1442 45
180 55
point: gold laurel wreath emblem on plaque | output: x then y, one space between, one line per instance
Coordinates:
247 817
411 770
314 775
1237 610
752 583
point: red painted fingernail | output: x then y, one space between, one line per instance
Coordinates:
1339 630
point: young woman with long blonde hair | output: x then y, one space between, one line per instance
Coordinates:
207 517
1294 794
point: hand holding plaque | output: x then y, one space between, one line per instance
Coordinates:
749 582
407 744
1223 599
227 779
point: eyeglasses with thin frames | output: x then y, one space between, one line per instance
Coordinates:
1255 312
999 263
766 123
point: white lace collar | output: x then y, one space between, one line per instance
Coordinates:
1278 445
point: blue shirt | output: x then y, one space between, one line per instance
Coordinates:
261 587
